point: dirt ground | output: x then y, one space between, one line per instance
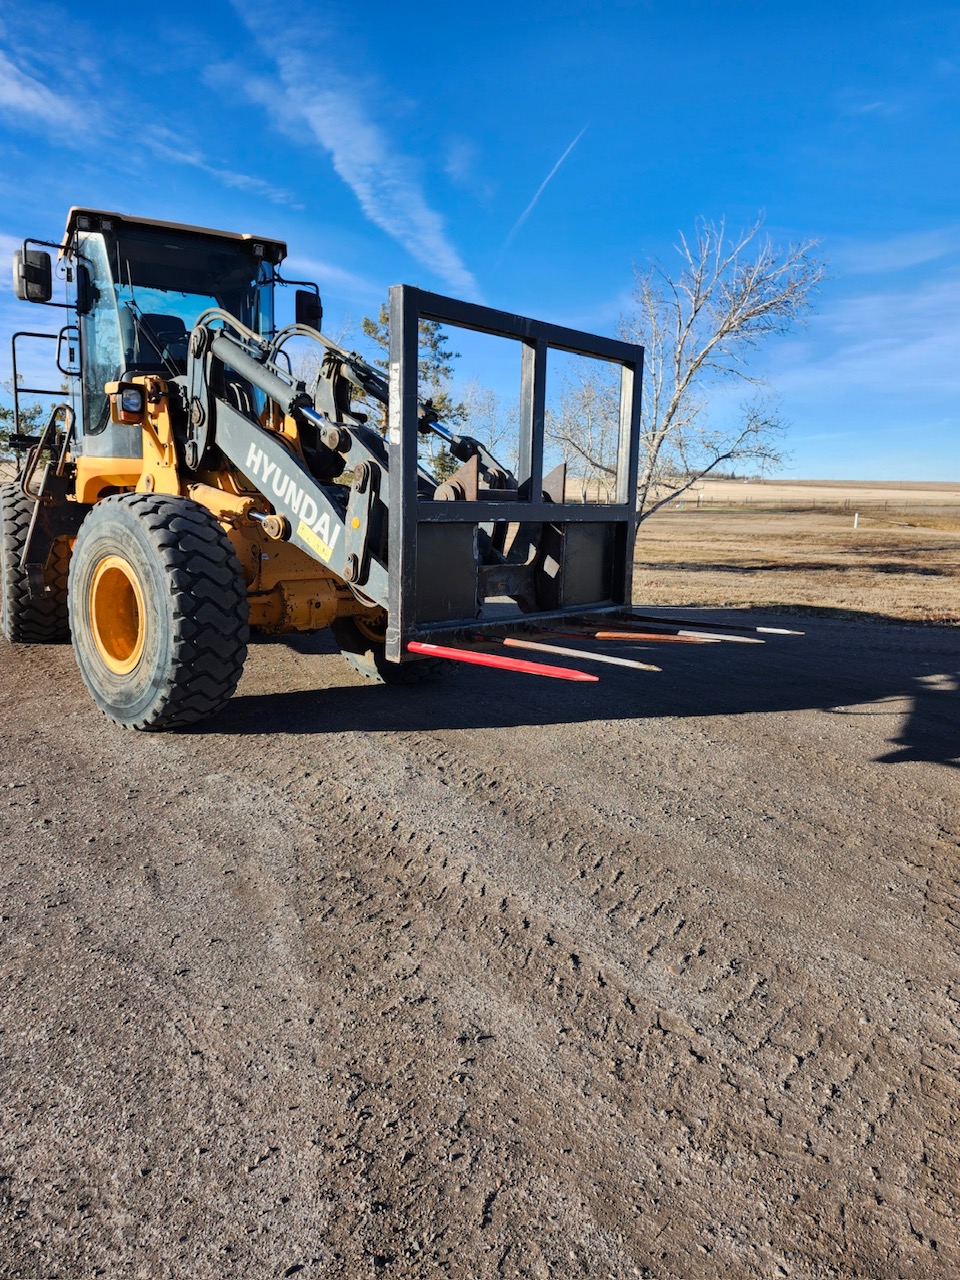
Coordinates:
656 977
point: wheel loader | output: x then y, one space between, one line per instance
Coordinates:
187 487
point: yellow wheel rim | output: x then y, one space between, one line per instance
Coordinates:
117 614
374 628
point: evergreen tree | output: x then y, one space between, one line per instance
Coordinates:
434 366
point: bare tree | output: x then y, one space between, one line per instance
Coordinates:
490 421
586 424
698 328
731 294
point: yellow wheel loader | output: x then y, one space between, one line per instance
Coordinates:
189 487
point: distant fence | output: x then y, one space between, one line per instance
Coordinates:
761 502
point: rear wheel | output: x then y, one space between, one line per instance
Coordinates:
158 611
27 619
361 641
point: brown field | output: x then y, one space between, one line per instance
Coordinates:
808 562
916 496
883 550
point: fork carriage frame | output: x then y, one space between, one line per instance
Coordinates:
583 561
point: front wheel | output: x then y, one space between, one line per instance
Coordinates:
361 641
158 611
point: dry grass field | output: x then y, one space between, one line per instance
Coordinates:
794 547
918 497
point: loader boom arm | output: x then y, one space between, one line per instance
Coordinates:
450 553
316 519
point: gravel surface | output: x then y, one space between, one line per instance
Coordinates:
500 976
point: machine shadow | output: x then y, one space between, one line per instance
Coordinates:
840 667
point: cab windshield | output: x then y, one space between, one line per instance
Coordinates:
149 285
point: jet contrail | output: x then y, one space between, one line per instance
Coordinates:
540 190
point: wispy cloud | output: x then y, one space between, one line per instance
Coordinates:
168 146
21 93
900 344
8 246
344 284
877 107
33 101
540 190
462 169
895 253
864 102
313 92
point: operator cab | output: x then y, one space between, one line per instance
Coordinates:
138 287
141 286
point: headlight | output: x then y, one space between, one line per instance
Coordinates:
131 400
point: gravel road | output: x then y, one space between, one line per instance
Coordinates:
503 976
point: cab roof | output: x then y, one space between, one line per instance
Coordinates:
274 250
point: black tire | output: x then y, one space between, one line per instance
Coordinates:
361 641
158 611
27 619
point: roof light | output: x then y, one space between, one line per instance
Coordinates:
83 222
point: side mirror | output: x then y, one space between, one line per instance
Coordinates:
32 275
309 310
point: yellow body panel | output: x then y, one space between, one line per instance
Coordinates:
96 477
287 590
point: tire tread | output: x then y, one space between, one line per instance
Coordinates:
29 619
210 617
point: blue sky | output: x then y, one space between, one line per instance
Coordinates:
528 155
